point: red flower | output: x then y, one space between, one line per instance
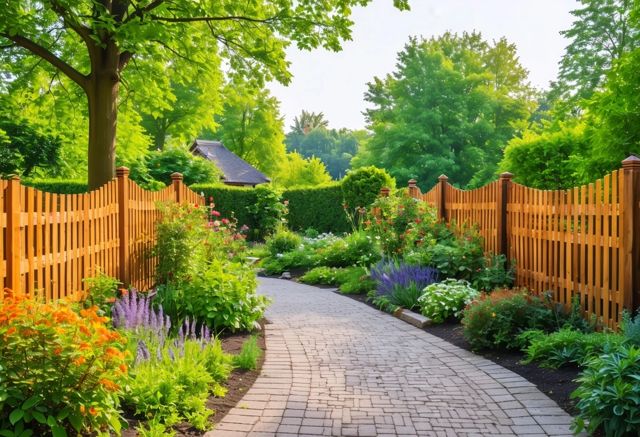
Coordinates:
216 213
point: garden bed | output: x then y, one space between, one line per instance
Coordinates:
558 384
237 384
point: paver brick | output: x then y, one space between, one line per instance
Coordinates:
336 367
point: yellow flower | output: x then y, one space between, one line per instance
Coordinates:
493 314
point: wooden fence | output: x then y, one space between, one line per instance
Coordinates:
581 242
50 242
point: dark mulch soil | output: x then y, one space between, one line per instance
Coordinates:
555 383
237 385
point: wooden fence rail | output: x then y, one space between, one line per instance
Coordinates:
582 242
50 242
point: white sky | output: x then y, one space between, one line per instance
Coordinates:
334 83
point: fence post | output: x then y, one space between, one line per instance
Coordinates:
122 174
13 208
176 180
414 191
503 198
631 232
384 191
442 210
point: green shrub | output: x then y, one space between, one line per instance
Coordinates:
362 186
389 218
102 291
181 233
354 280
609 393
268 211
495 320
60 372
319 208
568 346
357 248
59 186
445 299
249 355
321 275
494 274
222 296
302 258
283 241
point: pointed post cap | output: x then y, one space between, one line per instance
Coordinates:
631 162
122 172
384 191
412 183
176 176
506 175
443 178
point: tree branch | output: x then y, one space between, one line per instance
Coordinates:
210 19
140 12
51 58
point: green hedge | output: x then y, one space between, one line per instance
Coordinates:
230 201
58 186
319 208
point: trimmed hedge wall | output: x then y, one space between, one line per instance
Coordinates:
319 208
229 199
58 186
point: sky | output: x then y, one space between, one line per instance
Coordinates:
335 83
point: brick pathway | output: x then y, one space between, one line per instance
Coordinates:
336 367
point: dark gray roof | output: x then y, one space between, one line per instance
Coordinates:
235 170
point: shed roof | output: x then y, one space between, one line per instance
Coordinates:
235 170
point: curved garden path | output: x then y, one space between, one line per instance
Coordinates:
336 367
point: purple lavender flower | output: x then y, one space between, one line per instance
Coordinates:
142 352
391 275
135 310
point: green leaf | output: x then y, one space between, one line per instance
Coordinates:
15 416
39 417
58 431
33 400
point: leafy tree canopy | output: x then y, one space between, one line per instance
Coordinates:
298 171
334 147
308 121
95 42
251 126
24 149
601 33
450 107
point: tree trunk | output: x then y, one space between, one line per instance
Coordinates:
102 94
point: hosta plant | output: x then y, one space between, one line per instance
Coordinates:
609 393
445 299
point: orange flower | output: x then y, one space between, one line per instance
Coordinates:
93 411
109 385
10 331
79 361
123 368
83 410
84 346
57 351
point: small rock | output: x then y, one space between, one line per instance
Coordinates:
285 275
414 319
